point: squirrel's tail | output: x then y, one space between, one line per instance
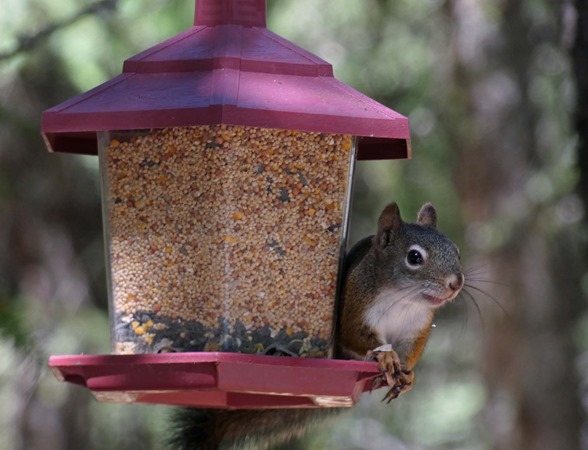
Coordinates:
216 429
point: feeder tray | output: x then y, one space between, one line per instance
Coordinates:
218 380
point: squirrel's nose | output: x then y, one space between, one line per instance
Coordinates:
455 281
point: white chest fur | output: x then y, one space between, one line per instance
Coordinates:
397 316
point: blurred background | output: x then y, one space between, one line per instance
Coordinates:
497 95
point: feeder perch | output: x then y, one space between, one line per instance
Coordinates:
227 157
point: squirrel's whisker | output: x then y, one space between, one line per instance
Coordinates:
469 295
491 297
484 280
475 269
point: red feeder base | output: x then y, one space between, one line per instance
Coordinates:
218 380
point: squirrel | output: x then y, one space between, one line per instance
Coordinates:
394 281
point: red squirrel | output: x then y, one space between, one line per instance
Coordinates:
394 282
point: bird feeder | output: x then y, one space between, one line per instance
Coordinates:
227 157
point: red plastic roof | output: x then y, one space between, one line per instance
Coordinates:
227 69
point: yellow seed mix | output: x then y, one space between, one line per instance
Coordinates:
225 238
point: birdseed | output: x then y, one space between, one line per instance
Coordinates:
224 238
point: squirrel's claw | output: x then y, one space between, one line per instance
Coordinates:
403 383
377 383
391 394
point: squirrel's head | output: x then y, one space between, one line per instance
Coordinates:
417 258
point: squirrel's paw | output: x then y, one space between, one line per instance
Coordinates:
388 363
399 379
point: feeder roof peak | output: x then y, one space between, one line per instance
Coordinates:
228 46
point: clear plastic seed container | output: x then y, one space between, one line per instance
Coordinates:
224 238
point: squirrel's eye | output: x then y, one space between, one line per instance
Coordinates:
415 257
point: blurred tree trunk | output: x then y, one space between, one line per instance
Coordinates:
505 174
49 221
580 59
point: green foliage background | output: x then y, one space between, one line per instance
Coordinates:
52 284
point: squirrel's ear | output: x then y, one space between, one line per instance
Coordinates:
388 223
427 216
